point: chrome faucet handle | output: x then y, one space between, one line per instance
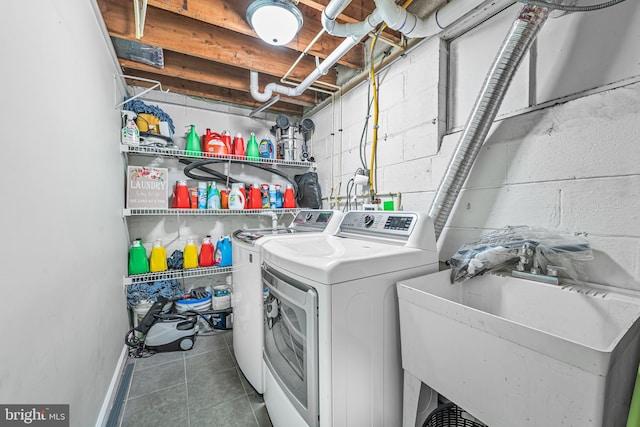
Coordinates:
526 257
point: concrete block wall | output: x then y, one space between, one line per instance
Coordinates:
571 167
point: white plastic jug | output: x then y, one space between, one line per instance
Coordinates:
236 197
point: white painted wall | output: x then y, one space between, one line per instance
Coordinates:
574 167
64 254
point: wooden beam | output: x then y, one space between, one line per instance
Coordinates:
191 37
213 73
231 15
214 93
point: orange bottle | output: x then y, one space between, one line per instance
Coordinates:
224 199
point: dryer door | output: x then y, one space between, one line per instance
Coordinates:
291 339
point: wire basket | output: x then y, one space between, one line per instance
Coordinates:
450 415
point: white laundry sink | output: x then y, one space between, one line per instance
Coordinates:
518 353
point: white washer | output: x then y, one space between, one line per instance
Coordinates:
332 334
247 295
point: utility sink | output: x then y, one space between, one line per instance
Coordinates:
518 353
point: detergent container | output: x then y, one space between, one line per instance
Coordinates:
289 201
236 197
213 144
190 255
181 196
253 152
138 262
158 259
265 148
255 196
223 252
238 146
193 143
206 253
226 140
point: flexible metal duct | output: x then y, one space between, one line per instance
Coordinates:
516 44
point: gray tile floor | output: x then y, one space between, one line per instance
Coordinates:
197 388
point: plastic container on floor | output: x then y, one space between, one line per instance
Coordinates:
140 309
191 304
221 297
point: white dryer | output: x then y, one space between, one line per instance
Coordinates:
247 295
332 335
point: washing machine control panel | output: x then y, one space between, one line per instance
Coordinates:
313 219
390 224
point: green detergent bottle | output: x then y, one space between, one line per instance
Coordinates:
633 419
193 143
253 152
138 262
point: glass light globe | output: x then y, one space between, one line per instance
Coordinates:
275 21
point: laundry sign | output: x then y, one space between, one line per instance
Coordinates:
147 187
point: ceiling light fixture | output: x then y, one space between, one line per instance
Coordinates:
275 21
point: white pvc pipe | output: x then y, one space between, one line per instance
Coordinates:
353 28
335 8
399 19
396 17
319 71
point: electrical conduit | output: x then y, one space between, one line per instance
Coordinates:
516 44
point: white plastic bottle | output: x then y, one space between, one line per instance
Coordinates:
236 197
130 132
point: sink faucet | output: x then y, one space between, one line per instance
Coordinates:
529 267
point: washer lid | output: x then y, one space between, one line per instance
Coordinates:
331 259
250 235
